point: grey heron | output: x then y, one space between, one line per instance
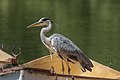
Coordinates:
63 46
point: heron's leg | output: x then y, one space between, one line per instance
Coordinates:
50 55
63 69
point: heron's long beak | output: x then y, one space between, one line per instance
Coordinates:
36 24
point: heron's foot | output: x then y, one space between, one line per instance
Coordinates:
63 69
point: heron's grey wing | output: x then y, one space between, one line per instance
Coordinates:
69 50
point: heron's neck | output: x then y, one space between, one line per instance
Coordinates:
44 31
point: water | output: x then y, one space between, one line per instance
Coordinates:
94 25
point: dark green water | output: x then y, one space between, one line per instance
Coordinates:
94 25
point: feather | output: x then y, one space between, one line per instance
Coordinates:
69 51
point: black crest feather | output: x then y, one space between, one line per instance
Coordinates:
45 19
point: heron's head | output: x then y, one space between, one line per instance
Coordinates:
42 22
